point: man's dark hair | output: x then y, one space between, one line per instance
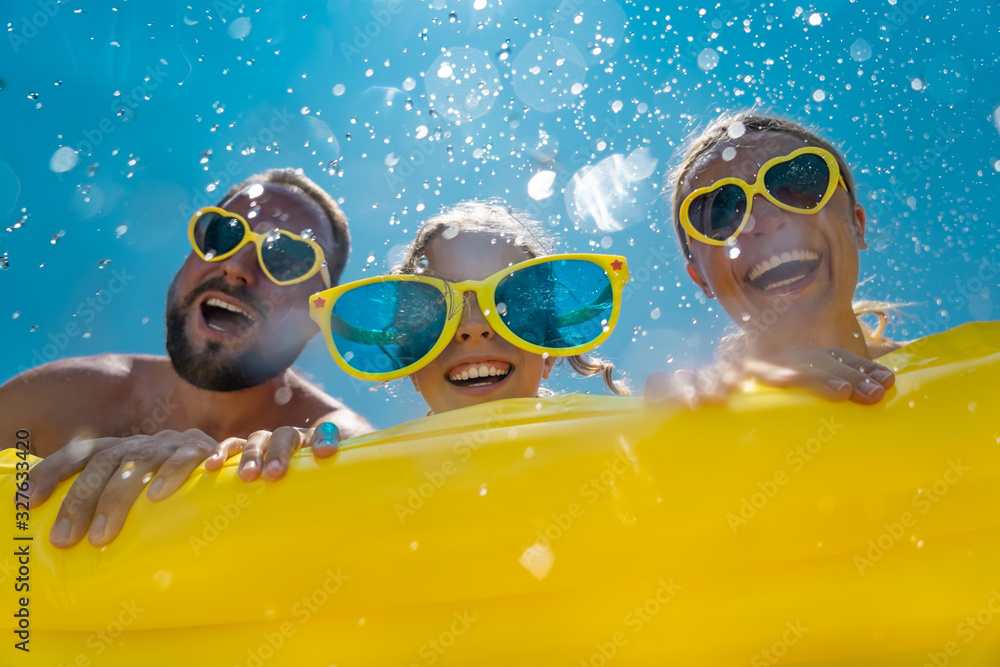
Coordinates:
296 181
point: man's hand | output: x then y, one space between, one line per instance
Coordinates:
271 452
114 471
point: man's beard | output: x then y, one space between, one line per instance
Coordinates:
213 369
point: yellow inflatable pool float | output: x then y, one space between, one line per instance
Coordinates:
578 530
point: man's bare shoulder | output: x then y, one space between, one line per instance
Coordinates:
57 398
110 368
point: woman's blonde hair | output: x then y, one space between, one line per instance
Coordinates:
494 216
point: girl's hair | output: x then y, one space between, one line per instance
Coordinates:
718 131
494 216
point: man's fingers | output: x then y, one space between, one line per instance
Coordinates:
178 467
324 439
283 442
78 506
49 472
252 460
122 489
223 452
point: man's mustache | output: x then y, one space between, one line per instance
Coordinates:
222 285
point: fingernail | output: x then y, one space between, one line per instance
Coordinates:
155 487
881 374
60 532
328 430
273 466
837 384
868 387
249 466
97 528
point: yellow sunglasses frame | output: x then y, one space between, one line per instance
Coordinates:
757 188
250 236
321 308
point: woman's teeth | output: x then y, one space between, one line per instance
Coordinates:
777 260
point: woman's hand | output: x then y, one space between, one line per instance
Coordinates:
829 373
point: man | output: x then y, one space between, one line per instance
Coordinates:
237 318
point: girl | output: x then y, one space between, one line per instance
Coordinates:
478 311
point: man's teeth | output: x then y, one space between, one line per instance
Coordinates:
218 303
480 371
777 260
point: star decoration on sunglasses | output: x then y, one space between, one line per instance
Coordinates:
319 302
616 265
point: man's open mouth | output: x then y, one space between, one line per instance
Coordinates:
480 373
225 317
783 270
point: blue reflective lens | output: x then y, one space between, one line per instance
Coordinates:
384 327
558 304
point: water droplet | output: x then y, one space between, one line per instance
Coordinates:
409 83
861 50
736 130
333 167
917 84
413 546
205 156
33 328
734 252
307 234
304 111
819 95
32 96
815 18
17 314
616 106
87 334
283 395
729 153
63 160
4 262
104 263
449 232
482 490
58 235
422 264
272 236
501 308
655 314
239 28
120 231
708 59
339 90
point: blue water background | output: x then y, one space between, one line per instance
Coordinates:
160 99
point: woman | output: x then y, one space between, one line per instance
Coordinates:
769 224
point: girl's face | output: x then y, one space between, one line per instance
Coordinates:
782 260
478 365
